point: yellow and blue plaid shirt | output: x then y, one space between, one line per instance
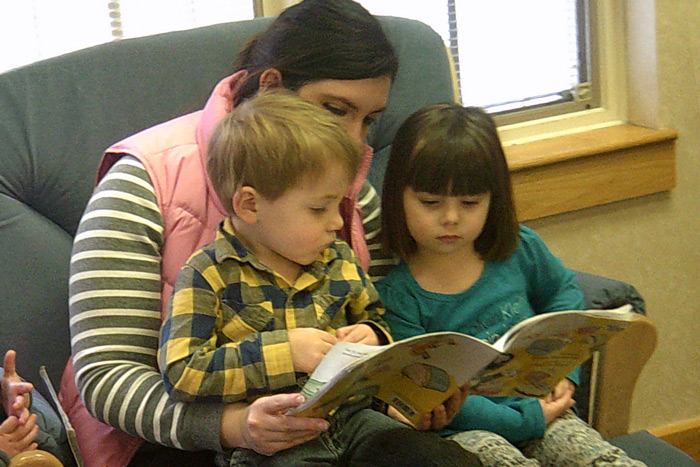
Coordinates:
225 334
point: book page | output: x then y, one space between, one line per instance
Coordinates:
339 357
566 319
414 375
543 350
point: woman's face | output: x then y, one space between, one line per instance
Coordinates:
358 102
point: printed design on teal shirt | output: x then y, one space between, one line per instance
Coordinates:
496 323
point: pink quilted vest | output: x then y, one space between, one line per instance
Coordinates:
173 153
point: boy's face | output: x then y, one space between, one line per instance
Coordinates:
445 224
296 227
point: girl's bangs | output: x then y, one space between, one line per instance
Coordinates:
451 168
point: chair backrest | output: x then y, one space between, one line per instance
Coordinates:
58 115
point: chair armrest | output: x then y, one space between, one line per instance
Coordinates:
604 395
605 293
616 370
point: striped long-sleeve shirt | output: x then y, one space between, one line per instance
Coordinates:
115 307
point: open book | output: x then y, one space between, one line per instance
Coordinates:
416 375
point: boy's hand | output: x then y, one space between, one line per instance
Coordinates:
15 392
309 346
558 401
16 438
357 333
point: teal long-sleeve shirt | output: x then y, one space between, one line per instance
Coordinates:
532 281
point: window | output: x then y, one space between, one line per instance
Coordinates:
513 54
541 67
39 29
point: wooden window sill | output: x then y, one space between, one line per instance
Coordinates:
590 168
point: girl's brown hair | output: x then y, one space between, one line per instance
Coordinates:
448 149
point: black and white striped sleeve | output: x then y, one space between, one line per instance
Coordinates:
115 304
370 205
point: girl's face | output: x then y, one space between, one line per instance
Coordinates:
358 102
442 224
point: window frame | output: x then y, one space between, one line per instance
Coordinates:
608 73
582 97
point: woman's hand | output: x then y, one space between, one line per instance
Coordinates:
15 392
264 427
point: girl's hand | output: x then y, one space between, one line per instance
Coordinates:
15 392
564 388
440 417
309 346
454 404
264 426
558 401
436 418
358 333
15 437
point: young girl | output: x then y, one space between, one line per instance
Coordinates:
468 266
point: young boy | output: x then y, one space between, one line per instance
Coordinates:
255 311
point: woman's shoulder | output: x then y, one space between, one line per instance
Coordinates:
126 164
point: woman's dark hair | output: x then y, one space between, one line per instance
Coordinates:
316 40
447 149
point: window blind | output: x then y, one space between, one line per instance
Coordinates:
508 54
32 30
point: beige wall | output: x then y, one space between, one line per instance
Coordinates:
654 242
272 7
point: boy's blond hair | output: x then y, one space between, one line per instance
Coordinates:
272 141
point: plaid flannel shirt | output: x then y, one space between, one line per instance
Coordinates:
225 334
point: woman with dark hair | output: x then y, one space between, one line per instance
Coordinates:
154 206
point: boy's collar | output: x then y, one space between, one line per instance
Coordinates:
228 245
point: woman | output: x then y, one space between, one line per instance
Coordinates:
153 207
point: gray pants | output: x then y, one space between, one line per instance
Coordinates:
567 441
359 436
